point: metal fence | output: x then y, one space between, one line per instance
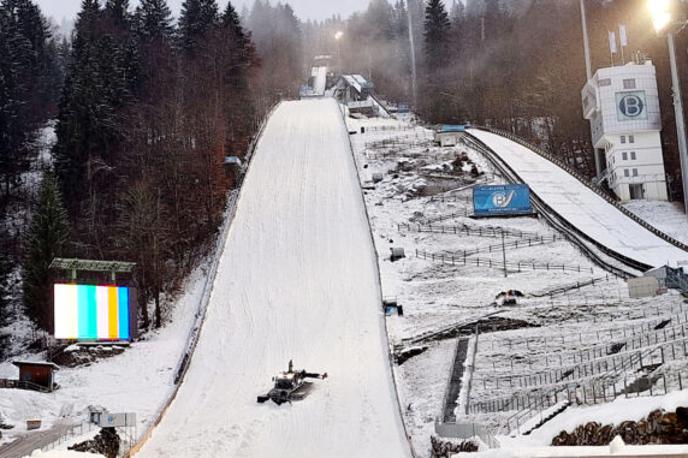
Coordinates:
513 245
654 315
601 380
466 430
473 231
493 264
71 432
443 199
646 353
23 385
402 141
593 393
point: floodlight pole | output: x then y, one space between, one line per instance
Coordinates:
412 46
586 41
680 118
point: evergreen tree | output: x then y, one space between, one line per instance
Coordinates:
154 21
102 77
197 19
118 12
155 33
437 28
5 271
28 84
13 137
241 38
239 57
46 239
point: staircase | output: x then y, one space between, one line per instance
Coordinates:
547 415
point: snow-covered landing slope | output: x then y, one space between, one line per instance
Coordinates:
581 206
298 279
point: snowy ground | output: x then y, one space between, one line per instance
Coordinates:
298 280
139 380
668 217
435 295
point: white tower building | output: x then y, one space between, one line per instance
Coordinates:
622 105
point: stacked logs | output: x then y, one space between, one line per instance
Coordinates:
442 448
105 443
659 427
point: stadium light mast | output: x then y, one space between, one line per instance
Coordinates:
412 45
586 41
665 23
338 38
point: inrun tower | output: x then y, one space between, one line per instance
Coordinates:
622 105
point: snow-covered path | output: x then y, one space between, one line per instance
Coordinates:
298 280
581 206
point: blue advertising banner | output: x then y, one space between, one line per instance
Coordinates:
511 199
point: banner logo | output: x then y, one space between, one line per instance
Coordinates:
507 199
502 199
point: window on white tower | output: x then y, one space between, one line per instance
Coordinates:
633 155
626 174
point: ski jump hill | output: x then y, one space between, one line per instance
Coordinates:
319 80
601 227
297 280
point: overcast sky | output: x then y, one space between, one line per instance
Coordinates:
305 9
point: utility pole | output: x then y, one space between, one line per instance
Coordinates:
412 44
680 118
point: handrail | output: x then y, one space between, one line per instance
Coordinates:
587 183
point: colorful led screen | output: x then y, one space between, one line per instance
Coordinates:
90 312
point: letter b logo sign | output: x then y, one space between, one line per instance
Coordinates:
631 106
